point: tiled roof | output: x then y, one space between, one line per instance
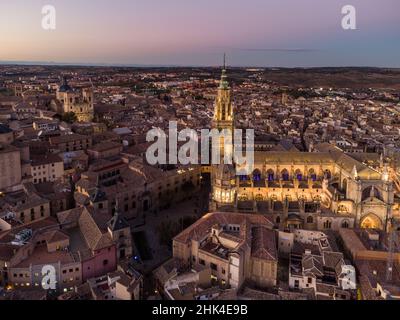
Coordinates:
203 226
263 244
95 239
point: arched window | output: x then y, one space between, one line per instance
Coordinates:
327 224
328 174
371 192
310 219
299 175
344 186
271 175
256 175
285 175
312 174
345 224
278 220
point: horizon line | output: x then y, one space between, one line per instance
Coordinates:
133 65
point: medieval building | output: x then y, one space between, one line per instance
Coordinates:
79 102
324 189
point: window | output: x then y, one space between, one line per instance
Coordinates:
310 219
105 262
202 262
327 224
310 280
213 266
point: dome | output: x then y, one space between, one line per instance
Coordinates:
225 172
65 87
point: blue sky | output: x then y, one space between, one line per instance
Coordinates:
283 33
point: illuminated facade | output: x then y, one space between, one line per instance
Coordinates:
224 175
327 189
79 103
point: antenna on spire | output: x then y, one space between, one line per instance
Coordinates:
224 61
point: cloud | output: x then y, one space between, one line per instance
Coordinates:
277 49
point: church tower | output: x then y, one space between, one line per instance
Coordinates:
223 174
79 102
223 114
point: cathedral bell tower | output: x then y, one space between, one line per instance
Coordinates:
223 113
224 174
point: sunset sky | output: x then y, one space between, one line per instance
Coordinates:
283 33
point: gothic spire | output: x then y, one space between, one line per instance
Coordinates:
224 79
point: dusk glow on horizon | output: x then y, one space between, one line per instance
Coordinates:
281 33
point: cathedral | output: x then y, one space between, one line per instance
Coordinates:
326 189
80 103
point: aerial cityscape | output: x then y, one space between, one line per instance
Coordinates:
100 199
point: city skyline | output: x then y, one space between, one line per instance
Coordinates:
208 151
177 33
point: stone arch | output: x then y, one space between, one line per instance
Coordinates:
328 174
317 198
371 221
288 197
328 224
285 175
270 175
345 224
371 191
256 175
243 197
298 174
344 185
312 174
